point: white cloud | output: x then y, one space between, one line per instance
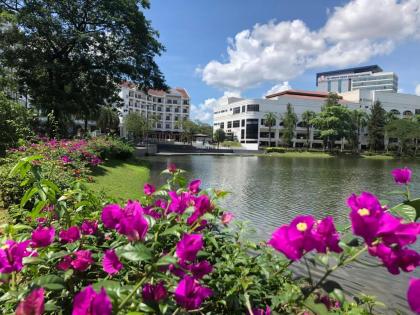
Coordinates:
418 89
278 88
281 51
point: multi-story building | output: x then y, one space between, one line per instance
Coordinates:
360 78
243 119
167 110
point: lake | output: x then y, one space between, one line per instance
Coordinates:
270 191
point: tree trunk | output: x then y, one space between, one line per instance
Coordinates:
269 136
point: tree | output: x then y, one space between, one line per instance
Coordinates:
358 119
333 121
138 125
289 124
219 136
189 128
108 119
15 121
307 117
72 55
376 126
270 121
406 131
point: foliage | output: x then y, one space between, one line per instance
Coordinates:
407 131
289 125
15 122
333 121
73 55
231 144
139 125
219 136
307 117
63 162
359 120
270 121
376 125
108 119
237 275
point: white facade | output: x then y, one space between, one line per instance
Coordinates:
243 119
168 108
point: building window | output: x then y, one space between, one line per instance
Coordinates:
253 108
222 125
236 110
243 109
252 128
185 102
339 86
168 117
159 100
159 109
329 86
168 109
229 124
243 123
176 118
131 94
184 110
168 126
243 134
169 101
235 124
177 110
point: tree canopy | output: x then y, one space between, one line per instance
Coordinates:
376 126
289 124
72 55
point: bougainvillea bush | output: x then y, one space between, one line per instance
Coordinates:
62 162
176 251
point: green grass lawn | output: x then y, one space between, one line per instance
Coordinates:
121 179
378 157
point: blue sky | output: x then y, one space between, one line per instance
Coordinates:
292 41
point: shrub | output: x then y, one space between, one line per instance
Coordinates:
173 252
275 150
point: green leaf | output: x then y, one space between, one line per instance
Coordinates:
174 230
404 211
316 308
138 252
415 203
396 192
166 260
338 295
28 195
50 282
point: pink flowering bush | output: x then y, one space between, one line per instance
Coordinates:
176 251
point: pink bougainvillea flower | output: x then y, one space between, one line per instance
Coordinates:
133 226
326 236
188 247
42 237
149 189
154 292
70 235
365 215
150 212
202 204
88 302
413 294
65 263
392 231
111 215
294 240
395 259
199 270
33 304
261 311
83 260
226 218
111 263
402 176
172 168
65 159
190 294
194 186
179 272
179 202
89 227
12 254
161 203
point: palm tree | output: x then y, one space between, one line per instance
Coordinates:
359 119
269 121
307 116
108 119
289 124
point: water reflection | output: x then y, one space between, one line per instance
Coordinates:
269 192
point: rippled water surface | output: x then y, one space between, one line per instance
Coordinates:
269 192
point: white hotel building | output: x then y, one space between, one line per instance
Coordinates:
168 108
243 119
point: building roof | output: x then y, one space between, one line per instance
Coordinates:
372 68
300 94
177 91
